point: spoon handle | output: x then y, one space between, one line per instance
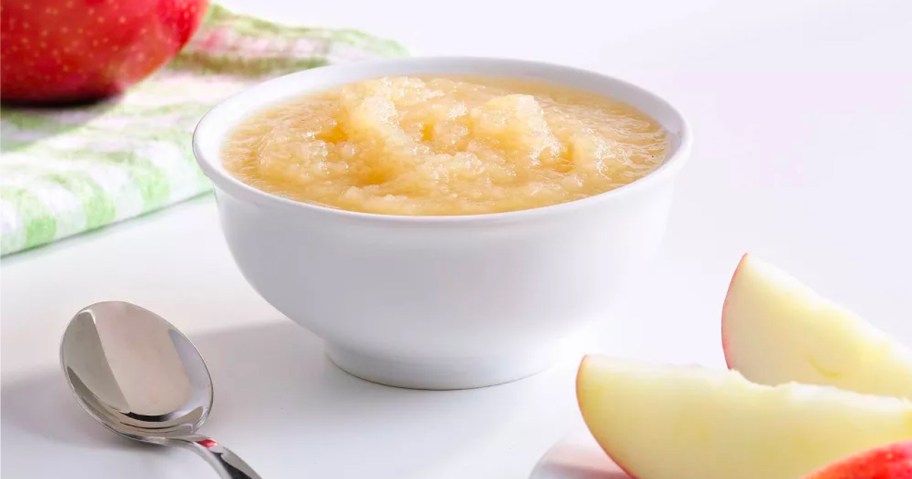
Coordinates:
225 462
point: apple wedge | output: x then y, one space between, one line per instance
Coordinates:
776 330
893 461
678 422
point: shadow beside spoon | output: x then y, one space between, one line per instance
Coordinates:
274 384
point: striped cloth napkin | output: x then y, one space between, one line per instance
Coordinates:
65 171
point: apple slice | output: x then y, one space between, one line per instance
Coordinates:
776 330
678 422
893 461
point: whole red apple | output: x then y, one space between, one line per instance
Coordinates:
60 51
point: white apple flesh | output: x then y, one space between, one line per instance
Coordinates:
675 422
776 330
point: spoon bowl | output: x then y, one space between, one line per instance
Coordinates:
140 377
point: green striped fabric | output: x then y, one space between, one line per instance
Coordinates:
66 171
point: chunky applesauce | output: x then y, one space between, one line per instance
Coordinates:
444 146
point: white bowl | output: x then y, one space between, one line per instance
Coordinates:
441 302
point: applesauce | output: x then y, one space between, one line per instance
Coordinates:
444 146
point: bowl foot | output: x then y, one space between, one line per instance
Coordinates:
439 373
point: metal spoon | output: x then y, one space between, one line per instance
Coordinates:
140 377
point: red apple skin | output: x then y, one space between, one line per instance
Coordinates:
725 349
63 51
888 462
621 466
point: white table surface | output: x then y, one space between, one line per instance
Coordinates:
802 112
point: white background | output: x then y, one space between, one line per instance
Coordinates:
802 113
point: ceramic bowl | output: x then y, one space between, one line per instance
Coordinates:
441 302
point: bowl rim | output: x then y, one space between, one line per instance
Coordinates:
211 165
